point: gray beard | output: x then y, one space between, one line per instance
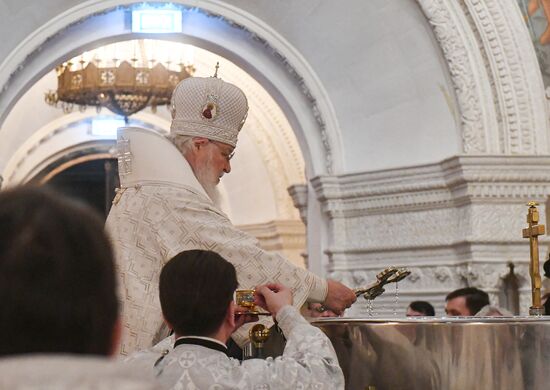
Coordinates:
213 193
207 180
210 187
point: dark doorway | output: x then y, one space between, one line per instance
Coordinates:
92 182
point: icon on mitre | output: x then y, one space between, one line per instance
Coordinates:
210 111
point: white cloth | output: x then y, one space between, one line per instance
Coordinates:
162 210
308 362
493 311
60 372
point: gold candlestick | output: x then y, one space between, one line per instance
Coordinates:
259 334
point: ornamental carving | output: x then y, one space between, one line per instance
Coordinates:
485 276
298 193
514 69
465 64
453 224
495 73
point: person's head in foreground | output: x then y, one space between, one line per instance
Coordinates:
466 301
546 268
207 115
57 281
196 289
420 308
546 306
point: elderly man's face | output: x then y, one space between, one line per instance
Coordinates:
457 307
213 160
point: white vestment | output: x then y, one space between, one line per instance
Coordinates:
68 372
161 210
308 362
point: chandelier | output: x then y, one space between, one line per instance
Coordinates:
124 86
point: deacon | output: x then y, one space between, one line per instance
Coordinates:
165 206
196 295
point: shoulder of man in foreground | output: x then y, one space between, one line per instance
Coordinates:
53 371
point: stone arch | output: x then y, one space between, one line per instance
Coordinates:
495 73
233 33
64 137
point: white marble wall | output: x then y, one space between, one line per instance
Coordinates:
452 224
423 124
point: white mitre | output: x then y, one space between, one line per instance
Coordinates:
208 107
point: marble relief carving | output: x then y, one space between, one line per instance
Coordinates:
452 224
298 193
495 72
509 68
458 46
537 18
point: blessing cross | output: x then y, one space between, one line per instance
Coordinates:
216 71
532 232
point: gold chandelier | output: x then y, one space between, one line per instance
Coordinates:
122 86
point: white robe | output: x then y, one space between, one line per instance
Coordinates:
68 372
161 210
308 362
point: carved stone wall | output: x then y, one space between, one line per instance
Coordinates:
454 224
495 73
298 193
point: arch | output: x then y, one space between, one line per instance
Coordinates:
62 136
231 32
62 166
496 76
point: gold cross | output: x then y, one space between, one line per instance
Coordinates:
532 232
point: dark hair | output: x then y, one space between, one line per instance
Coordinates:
423 307
546 267
57 281
475 298
196 288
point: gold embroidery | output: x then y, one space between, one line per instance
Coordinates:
119 192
